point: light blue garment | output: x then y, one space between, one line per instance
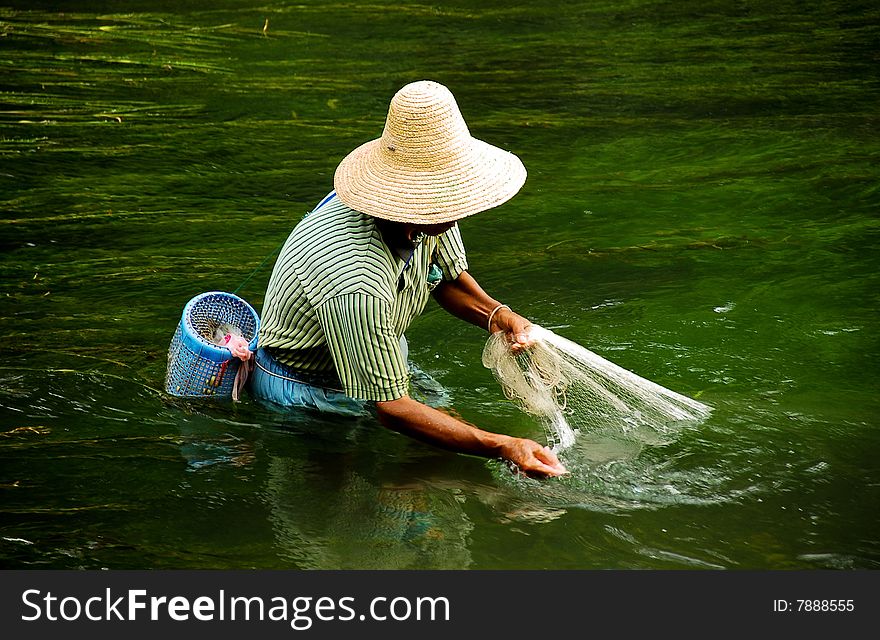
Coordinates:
276 384
272 382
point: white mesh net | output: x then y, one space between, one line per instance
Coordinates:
569 387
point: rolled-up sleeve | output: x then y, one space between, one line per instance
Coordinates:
450 255
360 334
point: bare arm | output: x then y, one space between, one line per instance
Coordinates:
420 421
465 299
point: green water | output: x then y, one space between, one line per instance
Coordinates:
701 208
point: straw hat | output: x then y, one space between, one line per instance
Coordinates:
426 168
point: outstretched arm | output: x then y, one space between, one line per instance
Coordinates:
425 423
465 299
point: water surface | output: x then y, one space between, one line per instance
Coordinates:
701 208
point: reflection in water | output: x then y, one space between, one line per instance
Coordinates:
712 225
363 524
168 484
330 500
333 506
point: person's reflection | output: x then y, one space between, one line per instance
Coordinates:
334 505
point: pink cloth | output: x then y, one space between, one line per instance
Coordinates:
238 346
240 349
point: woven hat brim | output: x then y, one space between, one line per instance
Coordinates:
483 178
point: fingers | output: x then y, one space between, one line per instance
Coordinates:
550 472
546 455
539 461
521 340
517 329
541 470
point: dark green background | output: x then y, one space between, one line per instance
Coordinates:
701 208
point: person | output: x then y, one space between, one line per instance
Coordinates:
358 268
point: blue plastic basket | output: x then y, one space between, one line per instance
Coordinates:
198 368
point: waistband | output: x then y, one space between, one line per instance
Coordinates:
280 370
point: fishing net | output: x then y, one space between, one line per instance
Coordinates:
569 387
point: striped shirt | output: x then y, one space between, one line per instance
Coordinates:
339 299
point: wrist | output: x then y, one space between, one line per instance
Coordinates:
507 447
493 319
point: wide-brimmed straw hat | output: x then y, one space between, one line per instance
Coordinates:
426 168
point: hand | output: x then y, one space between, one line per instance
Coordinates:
532 458
515 326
